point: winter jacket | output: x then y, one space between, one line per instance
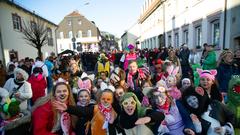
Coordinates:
38 84
25 91
210 61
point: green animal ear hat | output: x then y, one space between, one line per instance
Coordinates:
11 107
140 110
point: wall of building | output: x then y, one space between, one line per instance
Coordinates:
13 39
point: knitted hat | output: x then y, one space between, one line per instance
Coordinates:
131 46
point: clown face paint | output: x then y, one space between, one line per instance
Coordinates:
206 82
159 98
106 99
119 93
193 102
61 93
84 98
129 105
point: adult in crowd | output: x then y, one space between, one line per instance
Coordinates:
183 57
41 66
129 56
209 62
134 78
50 66
103 65
225 69
46 120
138 120
19 88
2 74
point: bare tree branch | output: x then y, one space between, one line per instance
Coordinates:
35 34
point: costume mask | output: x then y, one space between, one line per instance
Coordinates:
61 93
106 99
193 102
159 98
129 105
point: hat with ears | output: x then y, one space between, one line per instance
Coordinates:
207 73
131 46
104 86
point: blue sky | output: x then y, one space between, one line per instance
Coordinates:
114 16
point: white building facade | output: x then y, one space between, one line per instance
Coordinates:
194 22
12 44
131 36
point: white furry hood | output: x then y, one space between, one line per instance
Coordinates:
21 71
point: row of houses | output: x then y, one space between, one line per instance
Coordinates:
191 22
75 32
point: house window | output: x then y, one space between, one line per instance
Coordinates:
198 36
215 32
79 35
50 39
169 40
69 22
16 22
176 40
61 35
185 36
79 22
89 33
70 34
33 25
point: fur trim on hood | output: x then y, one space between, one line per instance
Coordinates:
21 71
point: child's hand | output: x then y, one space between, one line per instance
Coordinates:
143 120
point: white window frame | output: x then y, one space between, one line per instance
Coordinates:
69 22
17 25
89 33
79 34
198 35
61 35
70 34
215 35
176 39
185 36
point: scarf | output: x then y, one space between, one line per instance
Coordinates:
106 112
141 75
65 123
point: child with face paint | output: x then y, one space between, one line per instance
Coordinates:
100 114
207 82
210 117
49 121
177 120
186 83
138 120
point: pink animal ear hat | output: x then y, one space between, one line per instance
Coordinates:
207 73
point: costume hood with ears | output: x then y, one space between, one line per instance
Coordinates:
21 71
202 96
207 73
172 72
140 110
104 86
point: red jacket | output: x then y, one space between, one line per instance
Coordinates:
42 120
38 85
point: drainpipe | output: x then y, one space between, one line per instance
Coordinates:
224 23
2 48
164 42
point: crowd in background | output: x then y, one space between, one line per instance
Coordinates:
134 92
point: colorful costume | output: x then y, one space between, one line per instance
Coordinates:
234 98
